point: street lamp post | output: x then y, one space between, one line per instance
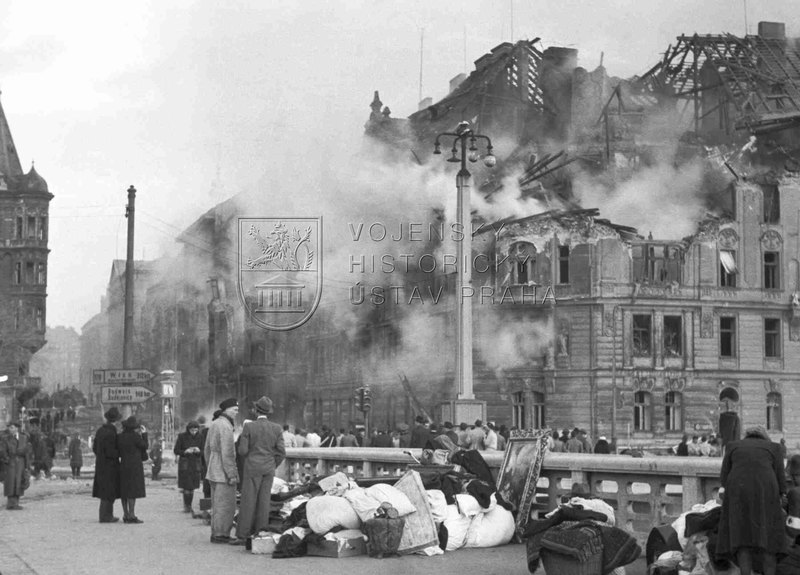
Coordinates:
465 147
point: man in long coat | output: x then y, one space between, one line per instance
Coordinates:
261 445
106 467
220 455
15 457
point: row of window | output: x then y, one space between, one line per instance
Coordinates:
30 227
652 263
26 316
30 273
673 411
672 336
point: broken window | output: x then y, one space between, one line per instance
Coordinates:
772 337
673 342
563 264
523 258
657 263
727 268
673 412
518 410
641 335
774 411
642 405
772 204
771 270
727 337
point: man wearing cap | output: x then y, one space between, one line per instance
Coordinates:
220 455
106 466
261 446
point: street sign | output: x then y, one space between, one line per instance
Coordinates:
106 376
168 387
126 394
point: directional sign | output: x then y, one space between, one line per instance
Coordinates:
126 394
105 376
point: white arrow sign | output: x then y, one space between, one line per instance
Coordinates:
126 394
103 376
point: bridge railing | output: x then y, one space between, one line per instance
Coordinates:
644 492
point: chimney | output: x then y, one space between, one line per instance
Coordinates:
425 103
772 30
456 82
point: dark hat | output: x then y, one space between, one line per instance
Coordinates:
192 425
264 405
794 465
230 402
15 423
130 423
478 423
419 419
112 415
448 425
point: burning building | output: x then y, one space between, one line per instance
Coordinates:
24 208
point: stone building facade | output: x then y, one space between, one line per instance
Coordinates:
24 223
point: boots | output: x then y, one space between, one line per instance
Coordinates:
187 501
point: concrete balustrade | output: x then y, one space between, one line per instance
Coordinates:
644 492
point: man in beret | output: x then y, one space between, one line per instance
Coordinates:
106 466
262 448
220 455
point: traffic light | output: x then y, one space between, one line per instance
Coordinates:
357 397
366 399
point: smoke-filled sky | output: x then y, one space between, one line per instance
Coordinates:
193 102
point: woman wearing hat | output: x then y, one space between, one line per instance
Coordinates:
132 444
189 450
752 521
106 466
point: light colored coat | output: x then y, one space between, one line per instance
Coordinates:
220 452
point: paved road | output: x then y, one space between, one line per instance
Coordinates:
58 534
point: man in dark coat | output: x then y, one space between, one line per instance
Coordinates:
261 446
420 436
602 446
752 520
132 445
75 455
15 458
106 467
189 450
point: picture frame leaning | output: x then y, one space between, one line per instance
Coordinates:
519 472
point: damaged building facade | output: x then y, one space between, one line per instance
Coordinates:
645 338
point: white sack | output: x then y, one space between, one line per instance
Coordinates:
457 527
438 504
326 512
399 500
490 529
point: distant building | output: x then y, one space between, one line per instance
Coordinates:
24 207
57 364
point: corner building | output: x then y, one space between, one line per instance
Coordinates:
24 206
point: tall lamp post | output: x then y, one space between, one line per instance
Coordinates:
465 147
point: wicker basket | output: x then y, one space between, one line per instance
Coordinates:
559 564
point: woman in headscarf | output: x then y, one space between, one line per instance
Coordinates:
752 521
132 444
189 450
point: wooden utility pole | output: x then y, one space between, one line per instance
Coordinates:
127 344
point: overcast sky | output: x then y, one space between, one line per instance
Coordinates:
175 96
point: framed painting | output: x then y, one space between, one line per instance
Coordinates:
519 473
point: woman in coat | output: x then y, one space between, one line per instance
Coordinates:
752 520
106 466
75 455
189 450
132 443
15 458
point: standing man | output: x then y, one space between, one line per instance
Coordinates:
15 457
106 467
220 457
261 446
75 455
420 435
156 456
